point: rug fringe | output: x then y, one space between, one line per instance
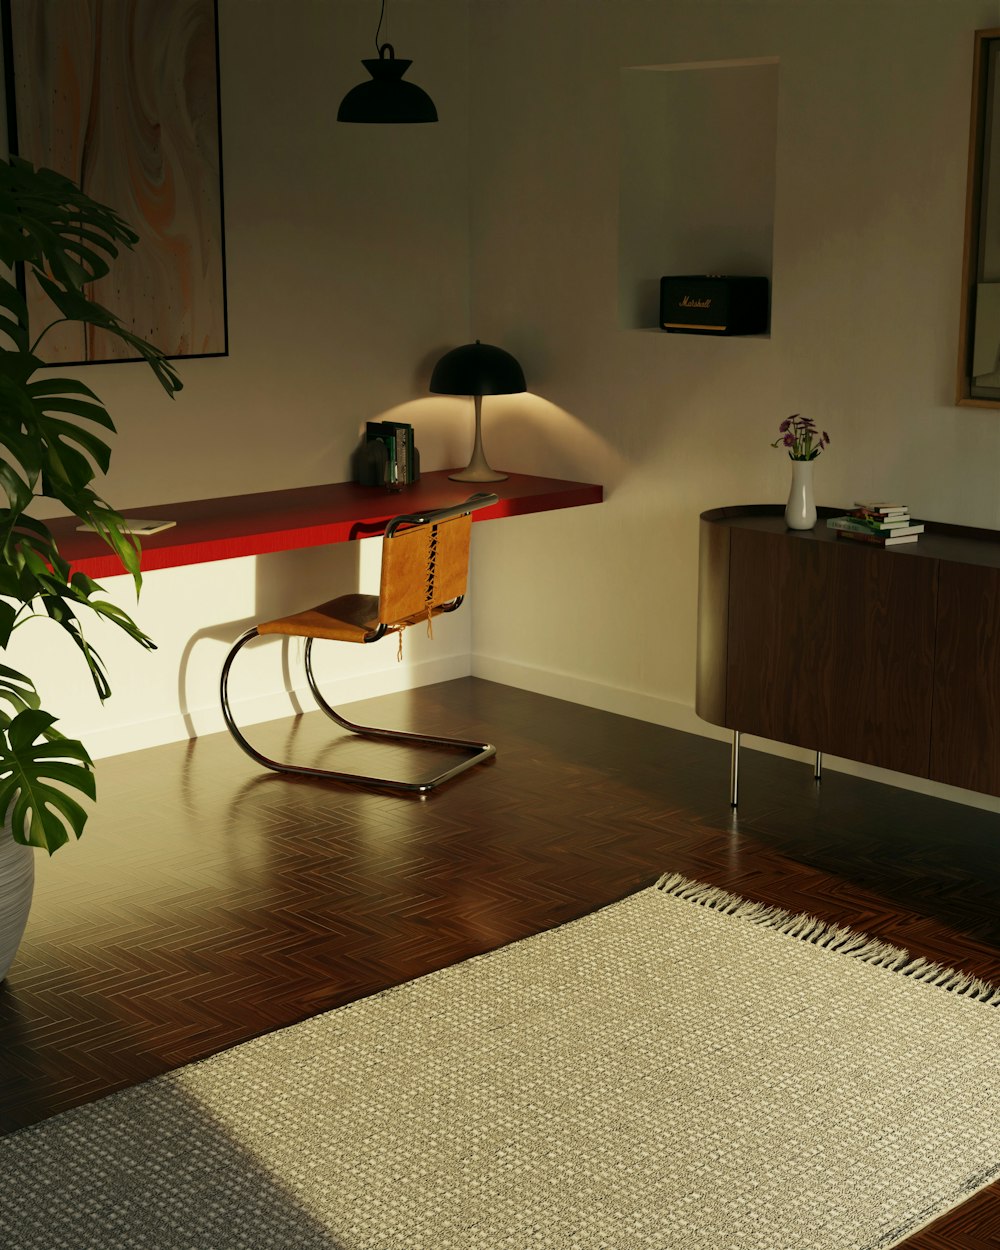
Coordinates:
833 937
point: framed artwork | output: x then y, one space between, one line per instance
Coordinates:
979 324
123 98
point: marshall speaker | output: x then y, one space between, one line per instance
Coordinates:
713 304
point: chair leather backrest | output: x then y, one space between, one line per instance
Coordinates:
423 568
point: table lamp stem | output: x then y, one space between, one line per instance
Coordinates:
478 470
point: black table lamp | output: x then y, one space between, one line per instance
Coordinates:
477 369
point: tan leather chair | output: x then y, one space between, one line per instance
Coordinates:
425 561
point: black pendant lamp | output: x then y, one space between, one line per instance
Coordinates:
386 98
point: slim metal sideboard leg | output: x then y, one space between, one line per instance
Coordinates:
818 774
734 770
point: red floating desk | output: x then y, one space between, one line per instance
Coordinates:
306 516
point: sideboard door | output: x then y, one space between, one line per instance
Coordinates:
965 743
831 647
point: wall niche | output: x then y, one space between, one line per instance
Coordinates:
697 176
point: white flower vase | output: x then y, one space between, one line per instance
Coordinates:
17 882
800 511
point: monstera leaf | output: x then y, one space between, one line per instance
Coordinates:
14 317
37 768
69 240
54 443
75 307
18 692
36 572
46 219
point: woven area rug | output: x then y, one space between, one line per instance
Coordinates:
680 1070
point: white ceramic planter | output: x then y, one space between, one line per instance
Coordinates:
17 881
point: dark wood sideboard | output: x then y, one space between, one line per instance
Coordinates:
888 656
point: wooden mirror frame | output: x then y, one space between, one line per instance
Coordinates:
985 109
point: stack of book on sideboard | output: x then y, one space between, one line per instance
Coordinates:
882 524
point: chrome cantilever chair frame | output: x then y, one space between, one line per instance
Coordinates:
476 752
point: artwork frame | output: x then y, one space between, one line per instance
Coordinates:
125 100
978 382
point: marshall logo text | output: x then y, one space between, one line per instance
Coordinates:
709 303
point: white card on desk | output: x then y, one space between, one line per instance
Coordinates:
136 525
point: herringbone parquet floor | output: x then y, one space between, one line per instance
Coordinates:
209 901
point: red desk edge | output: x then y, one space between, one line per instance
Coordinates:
305 516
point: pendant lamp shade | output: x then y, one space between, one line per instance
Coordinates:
477 369
386 98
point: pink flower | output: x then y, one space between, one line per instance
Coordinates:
800 437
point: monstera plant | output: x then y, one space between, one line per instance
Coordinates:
53 444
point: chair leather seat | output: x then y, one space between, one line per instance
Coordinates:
348 618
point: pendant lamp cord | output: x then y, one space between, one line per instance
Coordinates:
378 31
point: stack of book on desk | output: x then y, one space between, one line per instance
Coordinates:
882 524
389 457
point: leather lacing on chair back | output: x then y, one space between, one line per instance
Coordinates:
424 569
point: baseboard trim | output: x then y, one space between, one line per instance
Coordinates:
659 711
180 726
653 709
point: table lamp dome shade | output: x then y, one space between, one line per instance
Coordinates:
477 369
386 98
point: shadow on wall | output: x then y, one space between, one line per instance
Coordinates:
527 434
285 582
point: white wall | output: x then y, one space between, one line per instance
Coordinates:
871 146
